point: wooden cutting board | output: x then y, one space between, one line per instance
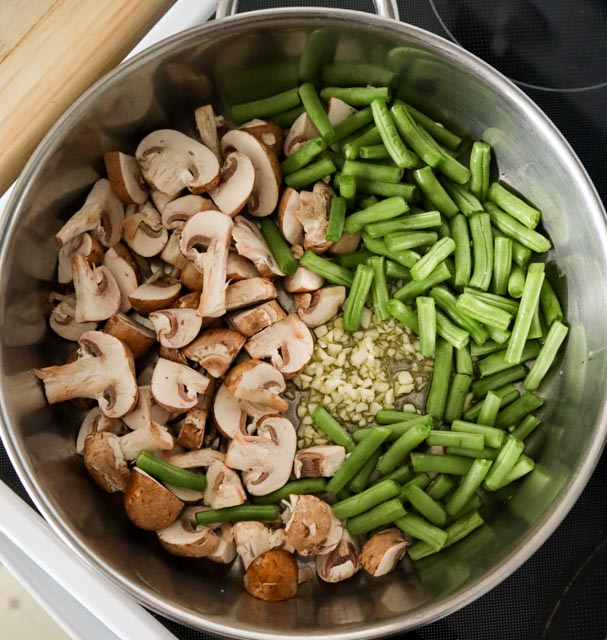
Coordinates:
50 52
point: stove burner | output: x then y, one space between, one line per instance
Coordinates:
540 44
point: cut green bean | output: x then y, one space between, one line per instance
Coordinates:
469 484
378 246
169 473
434 191
419 528
439 387
337 217
453 168
479 350
311 173
502 264
367 201
357 96
394 456
319 47
463 361
425 147
404 314
497 380
482 245
456 439
395 270
397 429
414 222
551 307
447 330
427 507
497 361
387 189
399 153
281 251
507 458
400 475
240 513
429 463
371 497
316 111
379 289
370 171
383 210
523 466
447 303
413 289
303 156
351 260
466 201
438 131
357 297
492 437
547 354
295 487
352 124
421 481
513 205
486 453
410 240
516 411
379 516
444 231
360 481
480 165
517 231
328 270
463 258
457 397
439 252
526 426
332 429
351 149
536 330
479 310
265 107
426 322
441 486
508 394
516 282
489 410
374 152
501 302
390 416
286 118
350 74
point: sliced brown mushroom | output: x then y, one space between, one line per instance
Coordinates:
382 552
288 222
192 429
320 306
240 268
288 343
259 383
338 111
226 549
160 199
245 293
101 214
104 461
143 231
193 459
251 321
188 301
154 437
215 350
125 177
177 212
206 123
136 337
267 133
175 387
266 458
140 417
235 185
313 213
95 422
347 243
266 190
301 131
183 538
272 576
148 504
307 523
154 294
83 244
171 254
320 461
250 243
97 292
171 161
254 538
228 414
62 320
224 488
210 229
104 371
176 328
303 280
341 563
125 269
191 278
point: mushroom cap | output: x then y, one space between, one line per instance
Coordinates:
254 538
193 459
143 231
171 252
313 214
97 292
125 177
206 123
181 538
95 422
267 133
266 458
188 301
266 189
153 437
347 243
288 343
62 320
226 549
83 244
140 417
229 415
338 111
149 504
235 185
250 243
307 523
286 217
175 386
251 321
341 563
224 488
103 459
240 268
301 131
302 281
381 552
320 461
320 306
136 337
171 161
245 293
259 383
177 212
272 576
176 328
123 266
192 429
215 350
191 278
154 294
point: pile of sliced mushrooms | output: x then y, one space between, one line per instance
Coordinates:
186 331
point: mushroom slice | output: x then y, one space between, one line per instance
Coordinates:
251 321
266 458
171 253
301 131
177 212
160 199
143 231
104 371
97 292
191 278
182 538
333 537
224 488
175 328
206 123
154 437
321 461
171 161
212 230
250 291
266 190
236 184
307 523
119 260
95 422
313 213
62 320
259 383
338 111
125 177
102 214
141 415
320 306
226 549
228 414
155 294
240 268
136 337
303 280
193 459
215 350
272 576
83 244
192 429
341 563
266 132
288 343
254 538
103 459
288 222
250 243
382 552
148 504
188 301
175 386
347 243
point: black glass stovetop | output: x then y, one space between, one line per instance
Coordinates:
556 50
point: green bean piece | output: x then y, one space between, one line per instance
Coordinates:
461 528
295 487
513 205
480 165
169 473
367 499
463 361
367 201
383 210
429 463
303 156
357 459
352 124
492 436
407 223
397 429
497 361
319 46
434 191
486 453
439 252
379 289
439 387
351 149
506 459
355 302
332 429
469 305
398 451
343 494
520 254
328 270
456 439
516 411
502 264
387 189
400 475
478 350
523 466
517 231
447 330
444 231
378 516
547 354
551 307
351 260
370 171
425 147
348 74
404 314
426 322
490 383
399 153
441 486
410 240
536 330
311 173
390 416
508 394
405 258
316 111
427 507
494 300
516 282
374 152
240 513
421 481
285 119
467 202
463 258
447 303
526 426
395 270
281 251
489 410
438 131
347 189
357 96
337 218
265 107
361 479
468 486
419 528
457 397
482 245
